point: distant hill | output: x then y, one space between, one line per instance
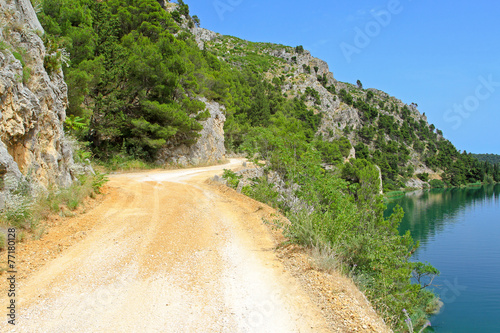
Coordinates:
491 158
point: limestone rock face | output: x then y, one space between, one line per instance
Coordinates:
203 35
210 145
317 66
247 176
32 103
415 183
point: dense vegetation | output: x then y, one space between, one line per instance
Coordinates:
132 84
341 213
490 158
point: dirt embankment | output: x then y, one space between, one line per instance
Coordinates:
167 251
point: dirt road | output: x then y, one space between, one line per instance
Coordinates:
168 253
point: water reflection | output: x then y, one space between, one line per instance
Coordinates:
459 231
427 211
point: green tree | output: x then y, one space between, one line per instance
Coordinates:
369 95
345 97
299 49
196 20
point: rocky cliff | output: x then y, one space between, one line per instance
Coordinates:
32 103
209 147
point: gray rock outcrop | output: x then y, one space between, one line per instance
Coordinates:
415 183
32 102
203 35
210 145
247 177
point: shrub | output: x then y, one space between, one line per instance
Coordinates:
18 207
436 183
26 74
299 49
345 97
124 162
231 177
263 191
19 57
330 151
98 180
51 63
73 203
423 176
314 94
25 208
3 46
332 90
488 179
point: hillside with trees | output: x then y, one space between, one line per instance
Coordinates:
136 72
381 128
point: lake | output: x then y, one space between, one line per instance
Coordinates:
459 234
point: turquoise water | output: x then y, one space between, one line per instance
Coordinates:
459 234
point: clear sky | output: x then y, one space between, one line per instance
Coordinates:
443 55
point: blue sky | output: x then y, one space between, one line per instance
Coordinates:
443 55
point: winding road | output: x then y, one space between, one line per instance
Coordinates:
169 252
